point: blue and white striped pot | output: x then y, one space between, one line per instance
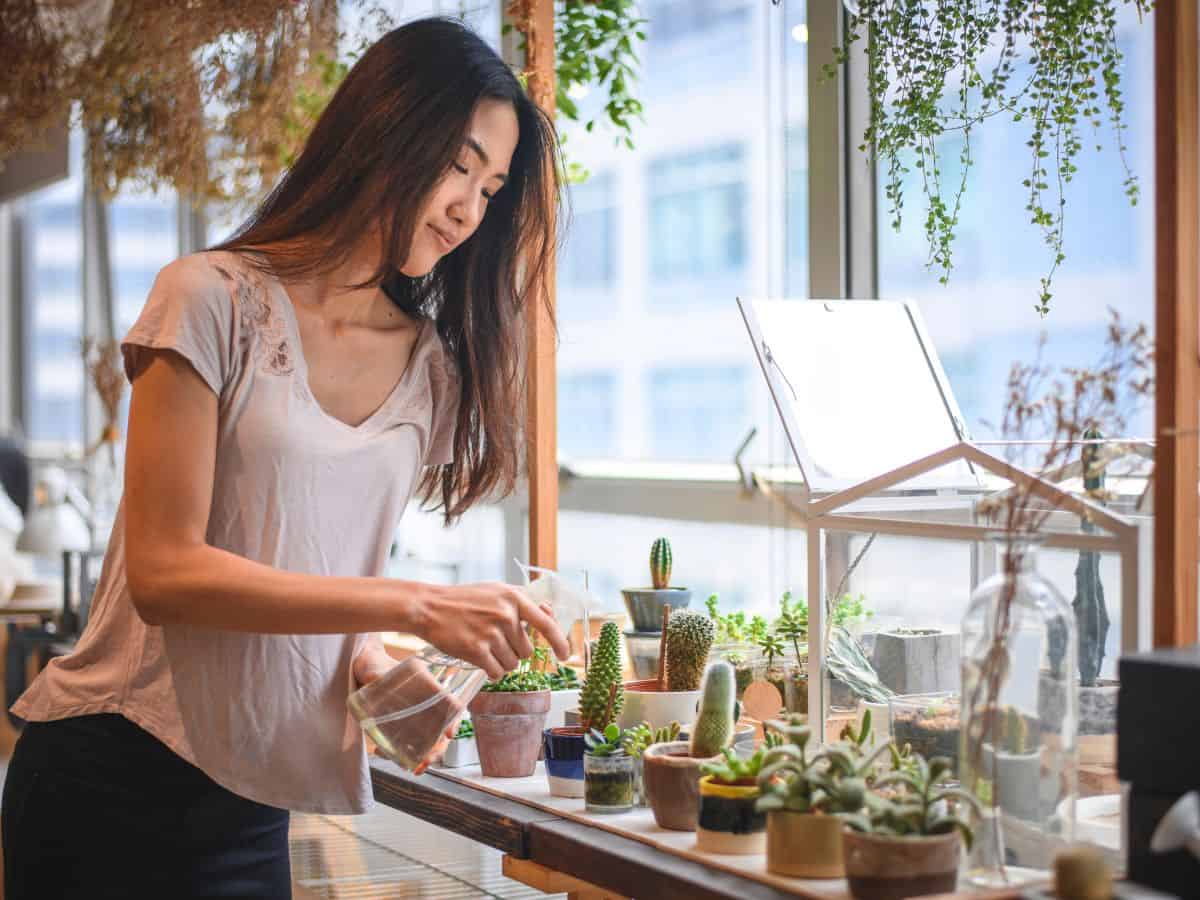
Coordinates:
563 751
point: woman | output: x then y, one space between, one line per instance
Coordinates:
356 342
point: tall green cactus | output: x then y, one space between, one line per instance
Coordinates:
689 638
714 727
660 564
1016 731
603 672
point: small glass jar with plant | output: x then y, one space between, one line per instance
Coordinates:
735 641
607 771
929 723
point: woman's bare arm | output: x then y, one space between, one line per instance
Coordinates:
175 577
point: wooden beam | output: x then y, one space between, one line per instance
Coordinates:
1177 325
542 422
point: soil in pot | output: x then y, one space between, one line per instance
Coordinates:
671 779
804 845
890 868
563 750
729 821
608 783
932 730
508 731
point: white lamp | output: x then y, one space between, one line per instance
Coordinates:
59 521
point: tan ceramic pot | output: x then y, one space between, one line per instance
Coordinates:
804 845
890 868
671 780
508 731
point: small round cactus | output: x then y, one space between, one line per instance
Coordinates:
689 639
714 727
660 564
603 672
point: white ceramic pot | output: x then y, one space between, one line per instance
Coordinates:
644 703
461 752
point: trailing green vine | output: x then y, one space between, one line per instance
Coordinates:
936 67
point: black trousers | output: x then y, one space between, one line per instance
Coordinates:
96 807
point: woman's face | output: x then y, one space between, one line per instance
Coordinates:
460 200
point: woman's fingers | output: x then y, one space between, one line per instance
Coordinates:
539 618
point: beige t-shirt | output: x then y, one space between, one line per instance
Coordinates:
264 715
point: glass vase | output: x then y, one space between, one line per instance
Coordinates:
1019 755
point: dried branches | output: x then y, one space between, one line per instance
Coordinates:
102 359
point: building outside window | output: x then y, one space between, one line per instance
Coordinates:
587 420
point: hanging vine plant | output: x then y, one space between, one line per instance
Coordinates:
940 67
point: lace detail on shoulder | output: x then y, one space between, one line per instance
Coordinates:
259 319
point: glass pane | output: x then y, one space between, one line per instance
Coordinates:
53 300
142 238
665 236
984 319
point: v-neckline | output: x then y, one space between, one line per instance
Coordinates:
294 318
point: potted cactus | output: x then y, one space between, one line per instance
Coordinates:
607 772
671 771
645 605
600 701
688 638
908 839
509 716
803 796
635 741
1012 760
730 821
461 750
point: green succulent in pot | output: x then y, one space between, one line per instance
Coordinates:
689 638
603 672
730 821
608 771
906 842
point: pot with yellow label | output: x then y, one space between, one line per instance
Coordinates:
729 821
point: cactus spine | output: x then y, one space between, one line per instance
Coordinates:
660 564
689 638
713 731
604 671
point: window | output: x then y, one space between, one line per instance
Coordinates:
53 312
697 42
697 216
587 425
143 237
697 412
587 263
984 319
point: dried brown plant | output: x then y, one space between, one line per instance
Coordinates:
103 361
210 97
1050 416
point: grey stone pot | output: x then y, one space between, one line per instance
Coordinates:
918 663
645 605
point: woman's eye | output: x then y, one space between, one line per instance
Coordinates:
461 169
486 195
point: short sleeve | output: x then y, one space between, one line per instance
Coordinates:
445 386
189 311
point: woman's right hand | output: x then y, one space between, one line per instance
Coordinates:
484 624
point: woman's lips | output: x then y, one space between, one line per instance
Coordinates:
446 243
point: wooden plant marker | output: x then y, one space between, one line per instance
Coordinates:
612 698
662 651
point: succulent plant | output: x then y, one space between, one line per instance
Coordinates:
603 672
660 564
833 781
689 639
609 742
713 729
641 736
912 801
732 769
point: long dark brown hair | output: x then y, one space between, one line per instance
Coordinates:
390 132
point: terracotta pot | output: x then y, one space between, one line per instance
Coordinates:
729 821
563 751
804 845
508 731
644 702
889 868
672 783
